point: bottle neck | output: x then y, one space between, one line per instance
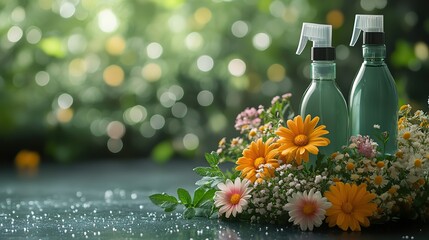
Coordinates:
323 70
374 53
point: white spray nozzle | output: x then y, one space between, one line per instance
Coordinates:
366 23
319 34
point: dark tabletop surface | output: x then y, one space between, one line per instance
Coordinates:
109 200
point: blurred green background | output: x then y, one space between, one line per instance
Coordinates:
86 79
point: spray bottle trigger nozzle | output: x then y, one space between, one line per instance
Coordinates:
302 42
366 23
319 34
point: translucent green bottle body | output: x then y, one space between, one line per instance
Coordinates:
374 100
323 99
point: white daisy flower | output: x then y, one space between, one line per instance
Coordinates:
307 210
379 180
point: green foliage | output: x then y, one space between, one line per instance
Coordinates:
208 171
165 201
212 159
200 206
212 175
184 197
202 195
189 213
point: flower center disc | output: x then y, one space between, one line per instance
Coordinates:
308 209
259 161
347 207
417 163
235 198
301 140
378 180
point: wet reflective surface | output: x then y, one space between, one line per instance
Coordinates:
109 200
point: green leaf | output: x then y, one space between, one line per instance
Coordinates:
169 207
232 174
203 212
211 182
207 197
235 174
161 198
212 159
165 201
184 196
203 195
202 171
206 204
203 181
189 213
320 163
208 171
216 181
198 194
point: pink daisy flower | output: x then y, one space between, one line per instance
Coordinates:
232 197
307 210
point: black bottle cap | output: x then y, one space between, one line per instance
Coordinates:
322 54
373 37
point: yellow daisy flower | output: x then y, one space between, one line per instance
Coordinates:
351 206
259 160
301 138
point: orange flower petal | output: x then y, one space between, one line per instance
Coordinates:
293 127
312 149
285 132
340 219
300 124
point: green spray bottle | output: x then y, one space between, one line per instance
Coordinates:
322 97
373 97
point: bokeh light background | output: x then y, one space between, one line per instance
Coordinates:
86 79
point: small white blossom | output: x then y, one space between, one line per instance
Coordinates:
337 168
317 179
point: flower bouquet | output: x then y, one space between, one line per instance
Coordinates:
279 176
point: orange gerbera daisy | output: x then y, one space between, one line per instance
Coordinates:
259 160
351 206
300 138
